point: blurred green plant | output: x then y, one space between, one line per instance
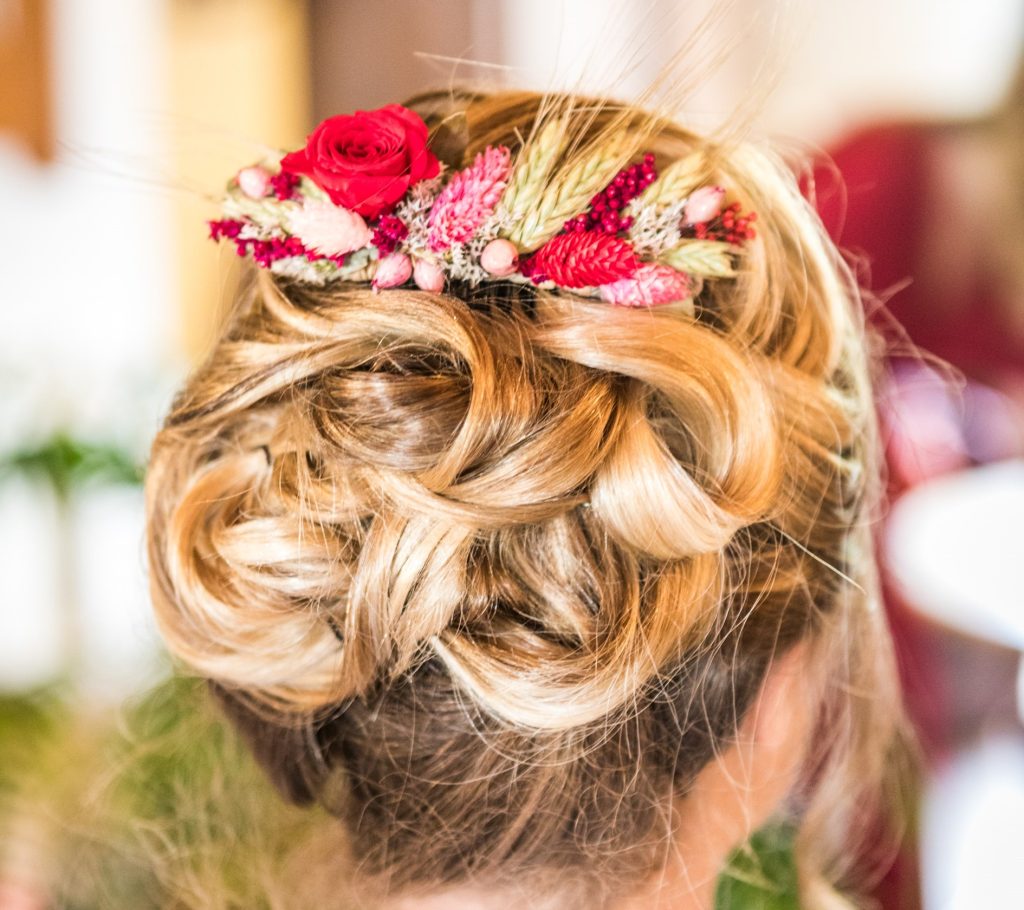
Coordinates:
29 722
151 805
48 735
65 462
160 804
174 812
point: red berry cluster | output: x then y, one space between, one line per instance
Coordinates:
605 212
729 226
284 184
390 232
225 227
264 252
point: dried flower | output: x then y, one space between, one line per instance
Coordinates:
650 285
428 275
254 181
392 271
329 229
704 204
580 260
469 199
499 258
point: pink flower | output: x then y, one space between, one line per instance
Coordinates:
649 286
392 271
254 181
329 229
469 198
429 276
703 204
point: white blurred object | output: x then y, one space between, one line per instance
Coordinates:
84 612
955 545
89 284
810 69
87 343
119 647
895 59
972 837
30 618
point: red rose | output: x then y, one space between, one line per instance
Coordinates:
366 161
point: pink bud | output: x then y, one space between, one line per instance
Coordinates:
704 204
393 270
500 258
254 181
428 275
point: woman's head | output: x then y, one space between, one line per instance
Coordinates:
494 573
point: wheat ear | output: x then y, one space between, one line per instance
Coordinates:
531 171
676 182
708 258
568 193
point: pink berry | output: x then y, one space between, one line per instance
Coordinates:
500 258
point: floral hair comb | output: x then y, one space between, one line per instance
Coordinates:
367 200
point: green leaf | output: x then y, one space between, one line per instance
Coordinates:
710 258
761 875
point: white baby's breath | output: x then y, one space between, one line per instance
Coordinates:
655 230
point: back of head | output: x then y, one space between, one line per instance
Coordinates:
493 571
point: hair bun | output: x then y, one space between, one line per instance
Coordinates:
435 458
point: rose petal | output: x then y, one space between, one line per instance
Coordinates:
411 119
297 163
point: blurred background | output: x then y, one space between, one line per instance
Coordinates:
121 119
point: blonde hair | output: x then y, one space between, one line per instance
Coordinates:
493 573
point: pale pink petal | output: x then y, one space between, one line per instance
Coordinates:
329 229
